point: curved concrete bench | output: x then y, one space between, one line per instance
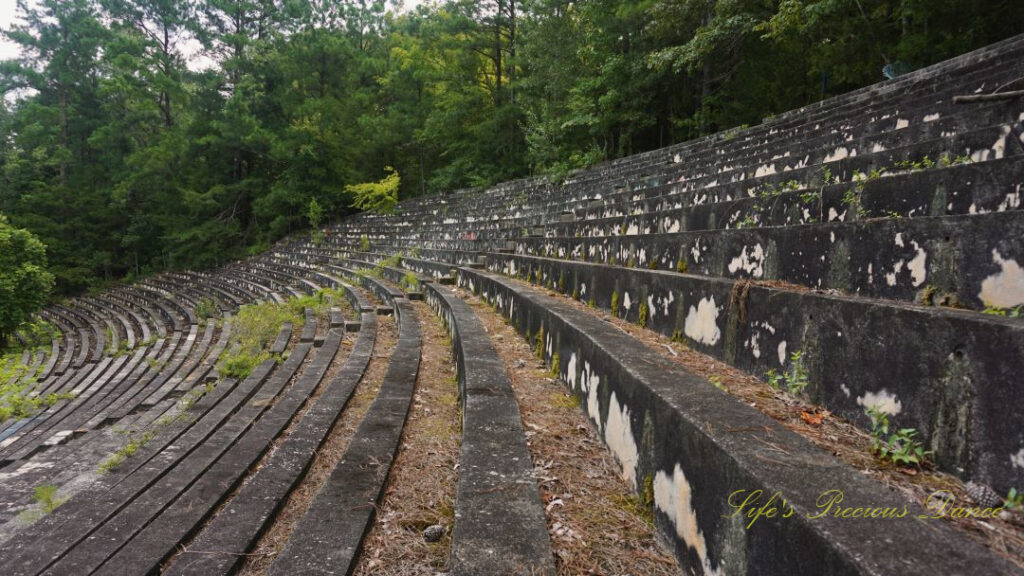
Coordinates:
693 447
325 540
238 527
499 520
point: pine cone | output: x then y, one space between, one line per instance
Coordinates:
983 495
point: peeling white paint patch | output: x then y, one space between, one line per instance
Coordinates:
877 148
782 353
626 302
882 401
1004 289
918 266
932 117
632 230
570 375
618 434
755 346
701 322
838 154
845 389
902 123
899 239
650 306
673 495
765 170
1011 202
752 263
832 214
1017 460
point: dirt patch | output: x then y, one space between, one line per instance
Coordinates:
421 486
299 501
838 436
597 524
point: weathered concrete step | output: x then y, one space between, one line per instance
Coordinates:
499 520
56 533
963 361
105 539
963 261
992 186
155 543
237 528
328 537
691 447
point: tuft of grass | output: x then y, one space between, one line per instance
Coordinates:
207 308
641 318
565 400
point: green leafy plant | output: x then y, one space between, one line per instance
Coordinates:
207 308
899 447
641 319
380 196
1005 312
795 380
1014 501
615 303
364 243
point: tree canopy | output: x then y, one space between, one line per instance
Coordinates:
142 135
24 282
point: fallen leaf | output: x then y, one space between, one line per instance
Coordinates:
812 419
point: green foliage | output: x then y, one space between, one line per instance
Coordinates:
899 447
641 319
1014 312
16 384
381 196
254 328
364 243
795 380
46 497
1014 501
615 303
207 308
410 282
24 282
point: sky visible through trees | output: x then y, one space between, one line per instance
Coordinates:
142 135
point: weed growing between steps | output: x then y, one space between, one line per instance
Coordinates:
138 439
597 524
329 454
839 437
421 485
16 383
257 325
45 500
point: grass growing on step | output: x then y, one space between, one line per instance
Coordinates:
207 308
795 380
136 441
255 327
1005 312
410 283
16 381
900 447
46 501
126 451
641 318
